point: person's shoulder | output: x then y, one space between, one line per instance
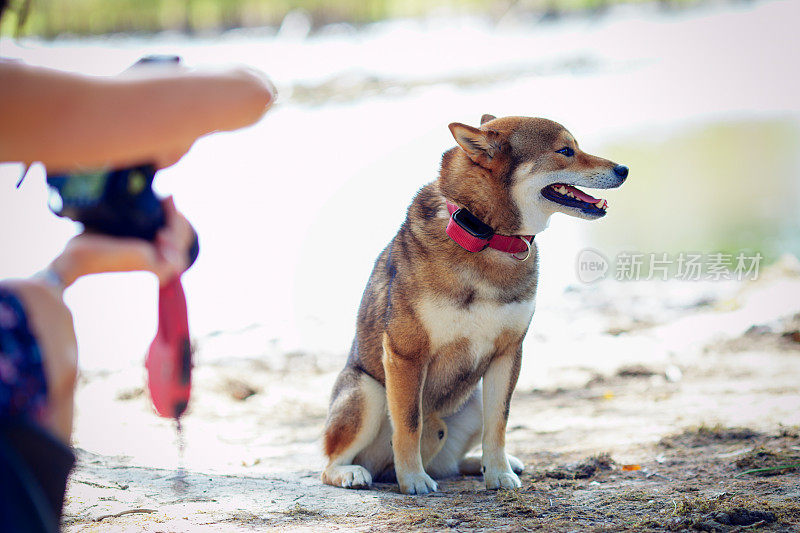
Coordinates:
35 290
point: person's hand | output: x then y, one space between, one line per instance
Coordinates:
174 152
166 257
173 241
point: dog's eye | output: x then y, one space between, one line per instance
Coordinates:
567 151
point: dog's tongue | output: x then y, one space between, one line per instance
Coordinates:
580 195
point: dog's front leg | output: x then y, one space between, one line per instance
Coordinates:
498 384
405 377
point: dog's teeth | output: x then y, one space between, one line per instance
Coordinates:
562 190
601 204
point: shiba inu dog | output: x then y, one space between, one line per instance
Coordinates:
448 304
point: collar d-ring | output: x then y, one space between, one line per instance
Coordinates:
527 255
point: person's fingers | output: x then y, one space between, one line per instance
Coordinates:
170 210
169 232
171 253
175 238
169 158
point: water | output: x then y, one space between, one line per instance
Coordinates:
180 480
726 186
292 212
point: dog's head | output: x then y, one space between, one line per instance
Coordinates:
515 172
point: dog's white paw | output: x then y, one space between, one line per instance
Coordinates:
516 464
501 480
356 477
416 483
348 477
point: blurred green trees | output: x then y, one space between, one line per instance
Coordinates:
50 18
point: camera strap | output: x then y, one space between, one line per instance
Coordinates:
23 176
169 360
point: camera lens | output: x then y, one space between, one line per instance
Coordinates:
136 182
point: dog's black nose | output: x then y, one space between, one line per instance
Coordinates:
621 171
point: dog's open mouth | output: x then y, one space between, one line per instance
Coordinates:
572 197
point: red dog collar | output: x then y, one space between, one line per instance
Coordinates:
473 235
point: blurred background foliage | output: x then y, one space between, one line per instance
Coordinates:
730 186
50 18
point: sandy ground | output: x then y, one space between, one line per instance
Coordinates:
663 443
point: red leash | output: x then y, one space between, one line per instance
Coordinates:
169 360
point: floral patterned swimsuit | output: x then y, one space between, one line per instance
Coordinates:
23 389
34 463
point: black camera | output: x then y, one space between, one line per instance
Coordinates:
114 202
118 202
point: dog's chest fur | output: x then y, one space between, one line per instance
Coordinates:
463 340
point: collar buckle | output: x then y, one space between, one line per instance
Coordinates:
527 254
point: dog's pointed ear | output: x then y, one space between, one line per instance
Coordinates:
486 118
481 146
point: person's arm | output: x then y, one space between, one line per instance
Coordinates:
93 253
50 319
70 121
